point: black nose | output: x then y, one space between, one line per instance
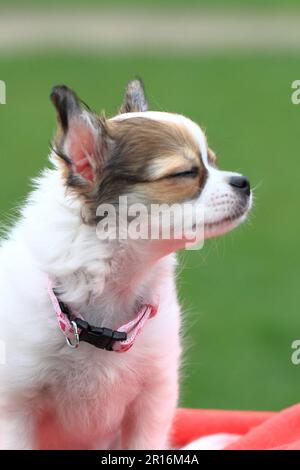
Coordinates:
241 183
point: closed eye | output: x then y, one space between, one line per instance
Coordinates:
192 173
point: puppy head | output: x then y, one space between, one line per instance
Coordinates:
151 157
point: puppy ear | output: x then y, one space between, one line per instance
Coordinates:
134 99
80 140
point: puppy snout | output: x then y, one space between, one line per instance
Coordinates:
240 183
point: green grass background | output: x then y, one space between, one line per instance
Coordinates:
162 4
241 292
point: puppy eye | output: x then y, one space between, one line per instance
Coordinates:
192 173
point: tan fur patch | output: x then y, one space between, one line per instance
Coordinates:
212 158
147 153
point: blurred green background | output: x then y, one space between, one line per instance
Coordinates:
168 4
240 293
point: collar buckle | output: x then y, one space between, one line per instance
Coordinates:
101 338
75 343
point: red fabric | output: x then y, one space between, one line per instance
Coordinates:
258 430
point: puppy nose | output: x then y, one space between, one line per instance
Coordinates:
241 183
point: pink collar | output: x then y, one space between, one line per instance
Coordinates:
75 329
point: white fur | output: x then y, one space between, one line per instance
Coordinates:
213 442
99 399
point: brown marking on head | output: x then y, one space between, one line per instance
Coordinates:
157 161
212 158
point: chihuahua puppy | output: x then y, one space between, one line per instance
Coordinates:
91 326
